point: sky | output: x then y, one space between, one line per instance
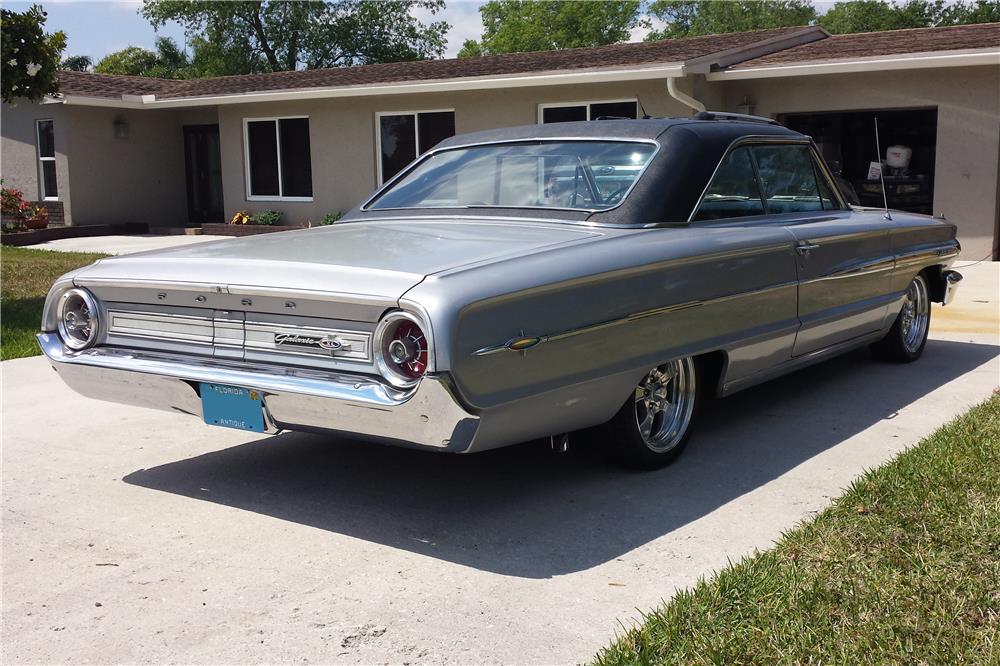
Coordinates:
98 27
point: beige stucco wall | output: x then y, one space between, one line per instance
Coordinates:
966 188
104 179
342 133
135 179
19 153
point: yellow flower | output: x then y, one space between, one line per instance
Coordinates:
241 217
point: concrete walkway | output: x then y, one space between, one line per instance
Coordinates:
138 536
122 244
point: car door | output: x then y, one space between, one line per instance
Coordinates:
844 259
762 279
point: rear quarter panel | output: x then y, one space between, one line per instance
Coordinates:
917 242
721 288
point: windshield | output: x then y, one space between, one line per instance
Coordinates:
586 175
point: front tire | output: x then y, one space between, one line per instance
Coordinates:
653 426
907 338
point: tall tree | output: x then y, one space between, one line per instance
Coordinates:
690 18
875 15
77 63
542 25
167 62
246 36
29 55
964 13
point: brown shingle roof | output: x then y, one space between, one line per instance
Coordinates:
109 85
892 42
615 55
837 47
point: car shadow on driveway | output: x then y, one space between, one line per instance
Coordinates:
526 511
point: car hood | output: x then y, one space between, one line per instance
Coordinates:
381 259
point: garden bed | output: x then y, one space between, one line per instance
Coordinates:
247 229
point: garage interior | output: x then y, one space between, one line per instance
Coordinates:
847 142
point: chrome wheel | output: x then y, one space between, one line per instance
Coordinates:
915 316
664 404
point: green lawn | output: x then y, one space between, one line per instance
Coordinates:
903 568
25 278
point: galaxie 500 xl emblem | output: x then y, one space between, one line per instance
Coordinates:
328 342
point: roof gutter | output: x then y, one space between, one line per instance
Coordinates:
910 61
667 70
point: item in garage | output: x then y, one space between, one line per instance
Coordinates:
897 158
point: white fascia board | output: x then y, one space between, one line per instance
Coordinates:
82 100
666 70
888 63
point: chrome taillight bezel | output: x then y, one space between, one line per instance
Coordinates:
385 365
67 333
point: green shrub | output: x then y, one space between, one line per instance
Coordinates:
331 218
269 217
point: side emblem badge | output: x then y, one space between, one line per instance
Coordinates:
521 344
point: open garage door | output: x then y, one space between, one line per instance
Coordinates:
847 141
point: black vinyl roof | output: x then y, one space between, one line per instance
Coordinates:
645 128
666 192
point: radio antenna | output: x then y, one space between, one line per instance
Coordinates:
881 173
644 114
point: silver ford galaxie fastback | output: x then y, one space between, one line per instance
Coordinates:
516 284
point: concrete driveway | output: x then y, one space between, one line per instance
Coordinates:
137 536
122 244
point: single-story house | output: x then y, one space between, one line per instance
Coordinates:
112 149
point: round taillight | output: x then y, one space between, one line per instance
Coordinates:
78 319
402 350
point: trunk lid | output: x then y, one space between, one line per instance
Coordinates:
377 259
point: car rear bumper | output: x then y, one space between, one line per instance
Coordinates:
427 416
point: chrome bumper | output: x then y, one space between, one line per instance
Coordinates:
294 399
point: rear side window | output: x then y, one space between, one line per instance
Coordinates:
788 178
733 191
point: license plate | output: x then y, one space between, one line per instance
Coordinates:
232 407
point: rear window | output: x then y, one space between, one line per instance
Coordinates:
584 175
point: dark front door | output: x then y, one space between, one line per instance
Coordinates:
203 165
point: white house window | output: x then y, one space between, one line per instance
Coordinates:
404 135
278 160
562 113
45 130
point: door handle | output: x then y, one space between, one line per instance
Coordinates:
805 248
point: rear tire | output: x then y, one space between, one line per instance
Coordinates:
653 426
905 341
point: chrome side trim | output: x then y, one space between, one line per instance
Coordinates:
799 362
514 343
879 265
918 257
